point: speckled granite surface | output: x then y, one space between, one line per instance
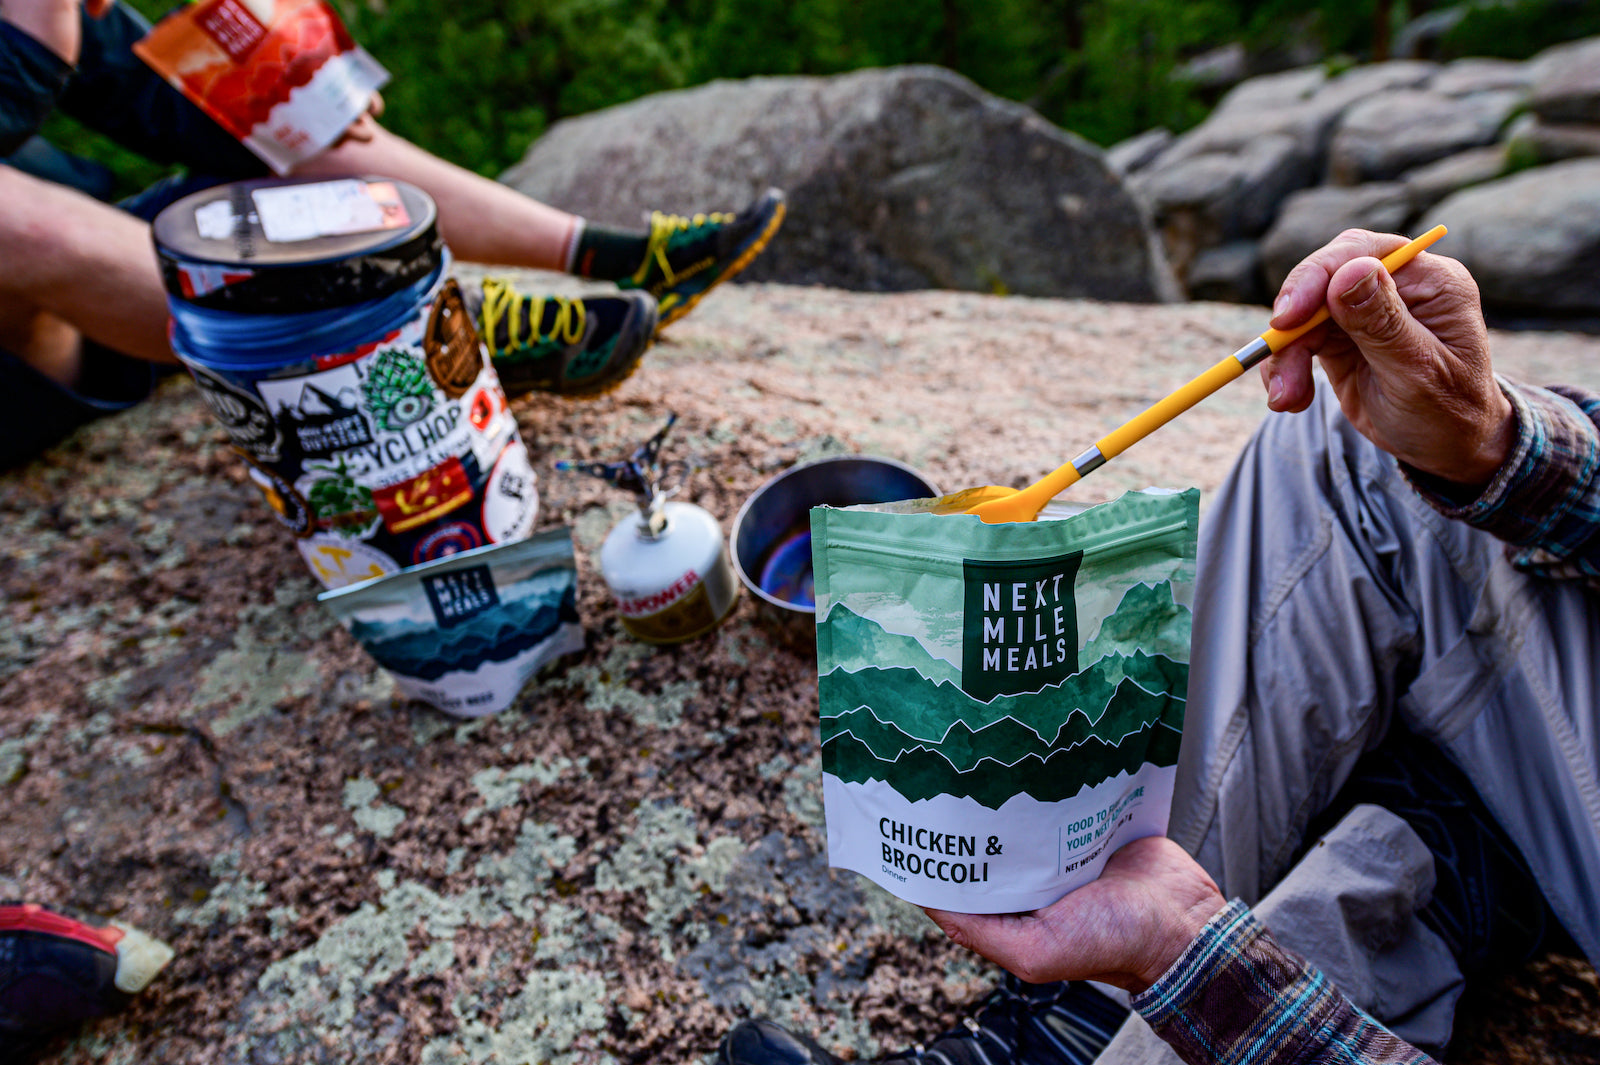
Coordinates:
630 858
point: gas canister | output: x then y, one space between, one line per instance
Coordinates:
667 563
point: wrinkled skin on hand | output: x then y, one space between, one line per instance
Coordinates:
1124 929
1408 356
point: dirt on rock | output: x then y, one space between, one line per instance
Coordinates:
631 858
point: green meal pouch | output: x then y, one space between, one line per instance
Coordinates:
1001 704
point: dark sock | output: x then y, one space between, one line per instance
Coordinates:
609 254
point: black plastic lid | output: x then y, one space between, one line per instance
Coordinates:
279 246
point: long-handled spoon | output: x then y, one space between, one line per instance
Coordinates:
996 503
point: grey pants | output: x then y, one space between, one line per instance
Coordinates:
1331 599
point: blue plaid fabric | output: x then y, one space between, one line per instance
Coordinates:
1545 501
1236 997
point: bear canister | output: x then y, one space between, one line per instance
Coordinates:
325 332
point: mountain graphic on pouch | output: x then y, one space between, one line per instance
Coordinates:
512 626
911 726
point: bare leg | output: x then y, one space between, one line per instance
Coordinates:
85 268
92 269
482 220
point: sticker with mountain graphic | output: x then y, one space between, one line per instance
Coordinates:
1001 705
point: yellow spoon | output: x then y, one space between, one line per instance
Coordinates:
996 503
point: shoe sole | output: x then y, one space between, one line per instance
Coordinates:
649 330
751 250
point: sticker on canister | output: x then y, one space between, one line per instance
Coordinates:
450 344
242 414
511 500
338 561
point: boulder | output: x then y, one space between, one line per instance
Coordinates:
1533 141
1566 82
1225 179
1383 136
1302 104
1427 185
1221 196
1421 36
898 179
1311 218
1531 240
1230 273
1216 68
1137 152
1272 91
1288 160
1466 76
1371 80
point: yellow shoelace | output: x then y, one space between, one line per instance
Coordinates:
662 227
501 302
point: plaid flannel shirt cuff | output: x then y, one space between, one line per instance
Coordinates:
1235 997
1545 501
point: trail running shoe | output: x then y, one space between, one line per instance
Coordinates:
57 971
575 347
688 257
1018 1024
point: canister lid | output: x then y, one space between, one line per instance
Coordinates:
277 246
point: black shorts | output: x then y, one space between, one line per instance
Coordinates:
36 412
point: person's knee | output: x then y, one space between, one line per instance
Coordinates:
40 339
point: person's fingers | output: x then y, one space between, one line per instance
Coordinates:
1023 944
1307 286
960 927
375 105
1286 376
985 934
1364 300
361 131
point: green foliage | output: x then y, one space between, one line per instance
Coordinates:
1122 80
476 81
1515 30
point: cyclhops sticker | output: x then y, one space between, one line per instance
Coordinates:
1001 704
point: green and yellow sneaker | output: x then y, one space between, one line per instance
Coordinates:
580 347
688 257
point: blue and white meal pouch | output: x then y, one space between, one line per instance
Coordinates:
466 632
1001 705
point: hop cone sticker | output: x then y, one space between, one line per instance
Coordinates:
398 390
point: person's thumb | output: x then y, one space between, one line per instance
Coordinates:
952 925
1363 300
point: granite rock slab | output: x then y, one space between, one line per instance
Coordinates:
629 859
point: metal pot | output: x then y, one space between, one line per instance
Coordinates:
779 512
